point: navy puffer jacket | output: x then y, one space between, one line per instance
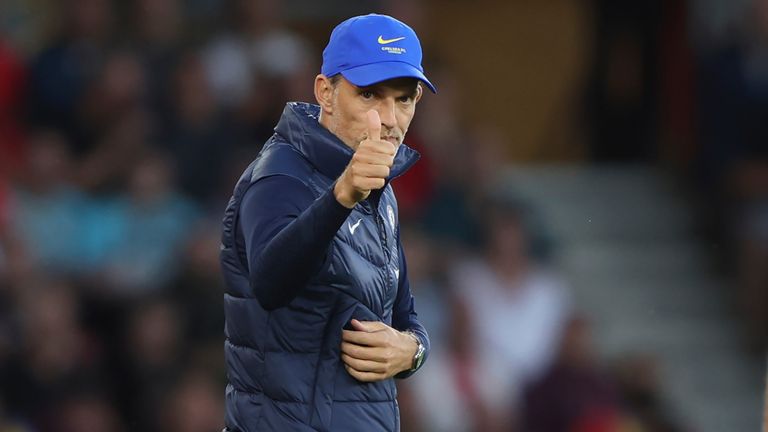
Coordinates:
284 367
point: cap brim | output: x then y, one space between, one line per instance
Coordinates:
366 75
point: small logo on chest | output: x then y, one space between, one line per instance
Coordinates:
352 227
391 215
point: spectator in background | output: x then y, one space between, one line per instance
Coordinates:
47 211
159 35
454 198
637 379
733 159
451 214
4 234
575 393
622 96
197 288
506 289
14 262
119 89
27 23
60 73
195 405
86 411
153 223
12 425
258 66
261 48
54 357
154 353
198 136
428 282
13 77
460 391
114 114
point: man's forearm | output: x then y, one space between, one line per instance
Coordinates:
296 252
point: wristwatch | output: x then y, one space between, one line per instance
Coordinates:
418 358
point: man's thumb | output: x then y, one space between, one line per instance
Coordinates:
374 125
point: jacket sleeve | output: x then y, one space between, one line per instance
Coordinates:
286 234
404 316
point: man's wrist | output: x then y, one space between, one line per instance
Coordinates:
413 349
341 198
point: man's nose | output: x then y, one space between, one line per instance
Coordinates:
387 113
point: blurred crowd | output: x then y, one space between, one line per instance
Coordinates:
731 163
124 125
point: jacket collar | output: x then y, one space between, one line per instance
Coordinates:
300 127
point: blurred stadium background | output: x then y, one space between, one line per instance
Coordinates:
587 231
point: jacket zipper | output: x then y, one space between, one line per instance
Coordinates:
380 224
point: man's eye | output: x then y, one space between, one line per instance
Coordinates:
366 94
405 99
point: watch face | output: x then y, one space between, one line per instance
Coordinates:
419 360
419 357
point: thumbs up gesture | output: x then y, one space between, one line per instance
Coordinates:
368 168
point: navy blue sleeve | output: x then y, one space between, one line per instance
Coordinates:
404 317
286 233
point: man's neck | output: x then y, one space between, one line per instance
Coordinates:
327 122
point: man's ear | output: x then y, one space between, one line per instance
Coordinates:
419 92
324 93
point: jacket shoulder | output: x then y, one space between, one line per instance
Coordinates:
281 158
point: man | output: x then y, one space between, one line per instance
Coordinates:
319 314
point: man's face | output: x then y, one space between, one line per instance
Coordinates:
394 100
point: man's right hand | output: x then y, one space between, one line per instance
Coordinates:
368 168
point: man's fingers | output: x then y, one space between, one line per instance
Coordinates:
368 326
358 325
368 183
365 376
374 125
372 351
361 352
358 337
374 158
372 171
371 339
381 146
364 365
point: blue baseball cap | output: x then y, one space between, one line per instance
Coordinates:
368 49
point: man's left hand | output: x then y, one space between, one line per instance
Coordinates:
375 351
